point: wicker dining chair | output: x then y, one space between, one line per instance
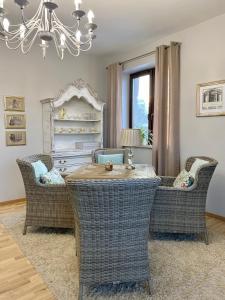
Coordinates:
47 205
178 210
109 151
112 228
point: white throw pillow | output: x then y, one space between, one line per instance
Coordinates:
52 177
183 180
196 165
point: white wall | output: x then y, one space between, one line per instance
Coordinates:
202 60
36 79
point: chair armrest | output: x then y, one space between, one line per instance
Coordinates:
167 181
171 189
51 187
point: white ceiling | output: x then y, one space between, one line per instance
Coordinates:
123 24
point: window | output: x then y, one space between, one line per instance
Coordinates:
142 101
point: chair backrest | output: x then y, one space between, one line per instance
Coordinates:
108 151
112 219
27 170
204 173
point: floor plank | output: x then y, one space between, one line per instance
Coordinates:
19 279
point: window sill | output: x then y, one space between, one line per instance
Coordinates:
142 147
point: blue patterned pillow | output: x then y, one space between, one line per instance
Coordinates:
184 180
116 159
52 177
39 169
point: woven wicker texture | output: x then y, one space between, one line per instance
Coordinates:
47 205
112 227
109 151
183 210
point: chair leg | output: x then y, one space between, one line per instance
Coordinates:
80 296
206 237
25 229
148 287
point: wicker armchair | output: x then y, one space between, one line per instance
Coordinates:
109 151
112 227
183 210
47 205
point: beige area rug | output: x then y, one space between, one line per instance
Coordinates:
179 269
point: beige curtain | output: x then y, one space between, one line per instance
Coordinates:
166 140
114 105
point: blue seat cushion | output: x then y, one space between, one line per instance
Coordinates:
116 159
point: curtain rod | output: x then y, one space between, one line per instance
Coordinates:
137 57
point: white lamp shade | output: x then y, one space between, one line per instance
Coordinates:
131 137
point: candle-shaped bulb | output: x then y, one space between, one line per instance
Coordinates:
78 35
77 4
62 39
90 16
6 24
22 31
1 3
44 48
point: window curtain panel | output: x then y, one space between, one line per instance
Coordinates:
114 105
166 136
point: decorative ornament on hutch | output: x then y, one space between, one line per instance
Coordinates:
72 126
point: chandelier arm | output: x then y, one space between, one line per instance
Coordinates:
70 28
60 25
89 47
29 45
67 45
73 50
19 41
27 23
16 37
34 19
69 37
72 53
56 22
12 33
23 19
60 55
38 12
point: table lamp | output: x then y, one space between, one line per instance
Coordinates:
130 138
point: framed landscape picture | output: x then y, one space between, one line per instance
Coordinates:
211 99
15 121
15 138
14 103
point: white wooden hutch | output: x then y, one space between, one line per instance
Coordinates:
72 126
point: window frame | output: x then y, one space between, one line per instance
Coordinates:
132 77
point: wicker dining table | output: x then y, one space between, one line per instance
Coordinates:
96 171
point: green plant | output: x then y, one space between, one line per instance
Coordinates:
147 136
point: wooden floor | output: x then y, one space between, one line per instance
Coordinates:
18 278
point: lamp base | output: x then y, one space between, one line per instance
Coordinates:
130 165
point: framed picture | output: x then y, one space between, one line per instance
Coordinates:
15 121
14 103
15 138
211 99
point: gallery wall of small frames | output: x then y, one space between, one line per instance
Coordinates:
15 121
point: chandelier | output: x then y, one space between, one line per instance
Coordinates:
48 28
